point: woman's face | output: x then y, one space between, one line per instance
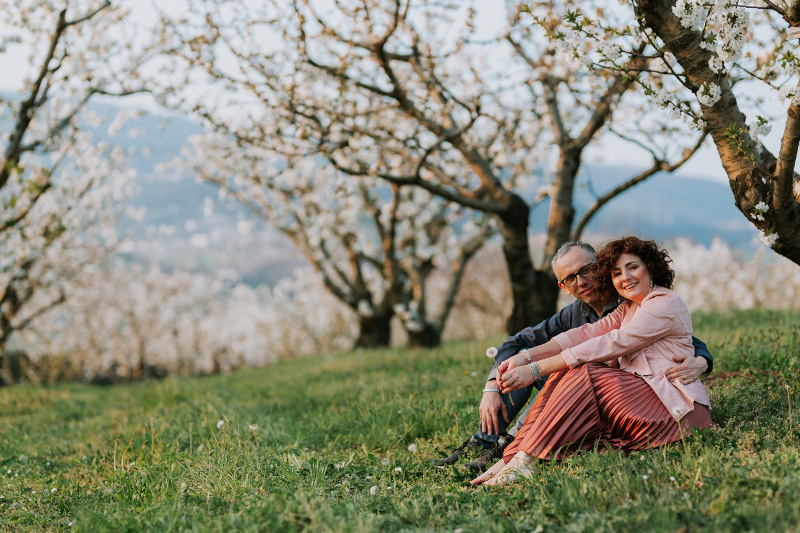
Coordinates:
631 277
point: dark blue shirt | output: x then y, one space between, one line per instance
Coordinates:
572 316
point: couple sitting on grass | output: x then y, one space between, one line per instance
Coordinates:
620 365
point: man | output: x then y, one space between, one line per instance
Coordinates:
573 265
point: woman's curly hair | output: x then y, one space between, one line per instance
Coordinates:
656 260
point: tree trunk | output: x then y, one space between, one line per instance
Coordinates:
755 175
429 337
374 331
533 293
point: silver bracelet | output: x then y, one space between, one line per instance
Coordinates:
491 390
527 356
535 370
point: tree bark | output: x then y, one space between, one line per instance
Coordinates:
374 331
533 292
429 337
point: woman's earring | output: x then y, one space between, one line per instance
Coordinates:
651 284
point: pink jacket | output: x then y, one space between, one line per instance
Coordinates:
645 339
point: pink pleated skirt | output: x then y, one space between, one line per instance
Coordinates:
596 404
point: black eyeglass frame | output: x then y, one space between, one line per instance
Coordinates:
586 272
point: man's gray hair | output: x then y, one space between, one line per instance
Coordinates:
571 244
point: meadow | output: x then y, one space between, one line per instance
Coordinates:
344 442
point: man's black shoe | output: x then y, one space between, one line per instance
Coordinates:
470 446
481 463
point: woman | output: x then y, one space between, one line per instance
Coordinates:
628 403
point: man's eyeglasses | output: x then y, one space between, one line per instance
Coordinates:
585 272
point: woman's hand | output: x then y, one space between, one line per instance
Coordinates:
516 378
513 362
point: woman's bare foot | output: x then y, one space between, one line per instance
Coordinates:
521 465
489 474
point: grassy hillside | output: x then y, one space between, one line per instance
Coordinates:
301 444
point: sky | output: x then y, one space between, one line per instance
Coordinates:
706 164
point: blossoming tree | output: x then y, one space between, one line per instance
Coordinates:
411 95
57 187
712 63
376 245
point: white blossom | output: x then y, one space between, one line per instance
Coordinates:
709 94
716 64
768 238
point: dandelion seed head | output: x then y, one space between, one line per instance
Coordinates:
672 478
412 448
373 490
385 461
220 424
398 469
491 352
253 427
644 477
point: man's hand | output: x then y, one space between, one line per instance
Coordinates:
492 407
688 371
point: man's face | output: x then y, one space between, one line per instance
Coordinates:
570 263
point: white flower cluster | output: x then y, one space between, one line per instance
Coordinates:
726 20
611 51
716 64
709 94
759 209
691 12
768 238
792 93
698 124
764 280
185 323
759 127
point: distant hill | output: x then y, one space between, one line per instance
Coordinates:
663 208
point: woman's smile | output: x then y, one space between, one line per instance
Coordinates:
631 277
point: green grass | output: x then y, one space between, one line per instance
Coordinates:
149 456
